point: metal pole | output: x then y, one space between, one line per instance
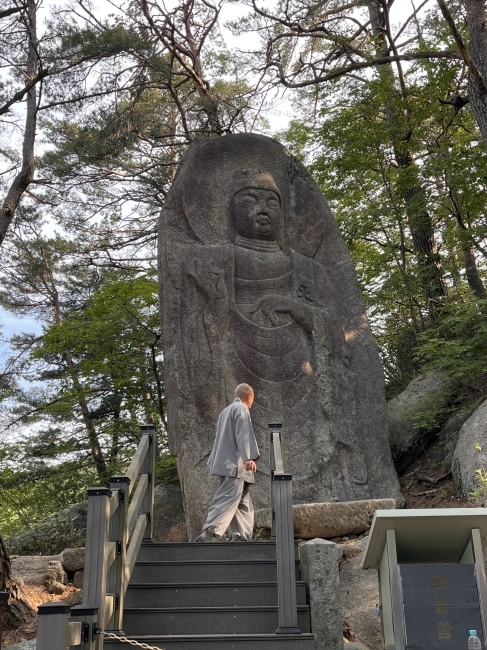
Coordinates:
3 603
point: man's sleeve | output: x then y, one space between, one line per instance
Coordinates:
244 436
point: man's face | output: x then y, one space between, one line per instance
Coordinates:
256 213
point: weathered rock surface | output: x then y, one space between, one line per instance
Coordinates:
32 570
66 529
329 519
78 579
169 519
73 559
319 569
277 306
355 645
450 432
466 458
56 573
24 645
405 438
56 588
359 594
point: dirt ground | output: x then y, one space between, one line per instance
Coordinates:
36 596
427 483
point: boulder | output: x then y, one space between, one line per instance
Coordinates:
53 535
359 594
169 520
355 645
78 579
449 434
56 573
329 519
466 457
56 588
32 570
406 438
73 559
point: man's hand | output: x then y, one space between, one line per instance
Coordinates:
250 465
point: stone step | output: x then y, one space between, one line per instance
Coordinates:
198 572
182 552
222 642
208 620
216 594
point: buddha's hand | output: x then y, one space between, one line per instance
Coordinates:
274 304
209 279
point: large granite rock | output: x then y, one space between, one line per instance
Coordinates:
73 559
359 594
169 519
32 570
467 459
406 437
450 432
53 535
257 286
329 519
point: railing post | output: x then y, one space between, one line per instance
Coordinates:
119 535
284 531
148 467
95 573
52 629
88 616
273 426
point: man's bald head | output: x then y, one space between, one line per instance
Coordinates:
245 393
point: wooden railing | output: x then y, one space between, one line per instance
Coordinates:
283 532
117 523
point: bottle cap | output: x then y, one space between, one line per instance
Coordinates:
473 632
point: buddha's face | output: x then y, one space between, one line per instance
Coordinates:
256 213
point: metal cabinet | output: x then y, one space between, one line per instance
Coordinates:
432 579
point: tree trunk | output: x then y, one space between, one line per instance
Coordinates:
26 175
18 611
413 194
477 80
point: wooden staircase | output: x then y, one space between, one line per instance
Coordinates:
224 595
200 596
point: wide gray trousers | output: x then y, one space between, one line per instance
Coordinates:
232 508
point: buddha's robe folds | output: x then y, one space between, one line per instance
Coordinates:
227 340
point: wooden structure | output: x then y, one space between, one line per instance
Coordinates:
432 580
180 595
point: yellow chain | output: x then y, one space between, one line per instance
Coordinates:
123 639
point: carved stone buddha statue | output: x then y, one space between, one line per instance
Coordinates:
242 303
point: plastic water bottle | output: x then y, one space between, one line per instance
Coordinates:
474 641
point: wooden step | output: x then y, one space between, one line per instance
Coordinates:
208 571
222 642
208 620
214 594
189 551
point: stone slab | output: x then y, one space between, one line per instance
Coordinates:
329 520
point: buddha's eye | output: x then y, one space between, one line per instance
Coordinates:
273 203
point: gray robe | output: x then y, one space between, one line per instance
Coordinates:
234 443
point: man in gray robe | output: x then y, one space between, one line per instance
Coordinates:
233 458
